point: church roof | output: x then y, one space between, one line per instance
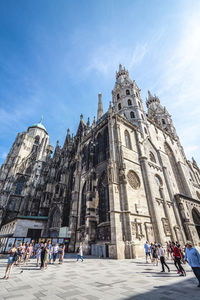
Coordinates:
38 125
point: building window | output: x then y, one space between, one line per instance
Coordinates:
127 140
142 116
129 102
158 180
119 106
83 206
118 96
132 115
163 122
145 130
19 186
127 92
152 157
37 139
139 104
100 148
104 205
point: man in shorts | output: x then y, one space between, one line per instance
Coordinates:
147 251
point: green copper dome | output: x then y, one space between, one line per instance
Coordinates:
39 125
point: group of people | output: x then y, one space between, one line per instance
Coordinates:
179 255
45 253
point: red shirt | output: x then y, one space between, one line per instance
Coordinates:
177 252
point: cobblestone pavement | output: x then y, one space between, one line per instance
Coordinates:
96 279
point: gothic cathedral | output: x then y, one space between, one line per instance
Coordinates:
118 182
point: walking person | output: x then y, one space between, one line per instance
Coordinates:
55 252
154 255
50 251
11 259
177 259
80 252
161 255
46 256
147 251
38 255
192 256
62 252
42 257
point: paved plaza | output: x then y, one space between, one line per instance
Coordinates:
96 279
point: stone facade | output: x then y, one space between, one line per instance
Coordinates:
120 181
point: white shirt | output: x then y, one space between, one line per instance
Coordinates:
161 251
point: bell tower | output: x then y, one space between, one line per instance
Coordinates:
127 101
160 115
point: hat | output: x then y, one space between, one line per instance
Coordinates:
189 243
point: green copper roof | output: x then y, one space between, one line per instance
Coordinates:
39 125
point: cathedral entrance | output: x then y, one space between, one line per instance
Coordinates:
196 219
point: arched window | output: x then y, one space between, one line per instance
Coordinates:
197 175
127 139
142 116
83 206
127 92
118 96
175 168
152 157
57 189
139 104
192 177
100 148
119 106
56 218
196 219
19 185
37 139
163 122
129 102
132 115
104 205
158 180
106 143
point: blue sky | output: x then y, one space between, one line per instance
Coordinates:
56 55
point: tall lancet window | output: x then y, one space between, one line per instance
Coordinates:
83 205
127 140
104 205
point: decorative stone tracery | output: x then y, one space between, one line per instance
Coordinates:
133 180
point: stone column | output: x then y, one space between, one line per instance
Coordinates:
174 204
155 218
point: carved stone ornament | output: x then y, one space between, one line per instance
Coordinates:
166 227
133 180
198 195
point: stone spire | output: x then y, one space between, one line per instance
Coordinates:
100 108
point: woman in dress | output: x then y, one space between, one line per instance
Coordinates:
154 255
62 252
11 260
38 255
46 257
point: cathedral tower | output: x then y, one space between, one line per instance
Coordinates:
127 100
